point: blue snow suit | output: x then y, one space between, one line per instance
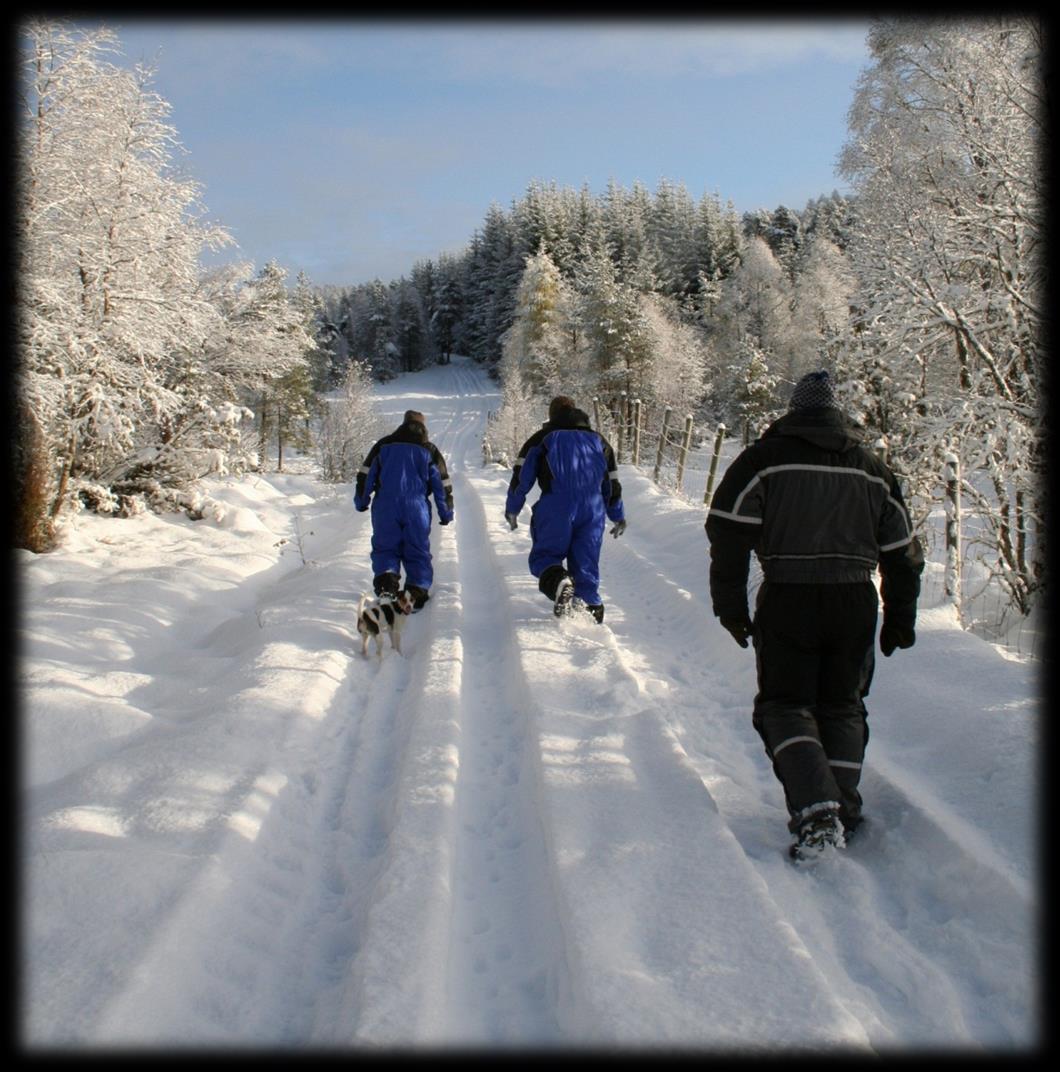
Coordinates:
576 471
399 476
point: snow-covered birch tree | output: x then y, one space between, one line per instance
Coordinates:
348 425
110 309
946 133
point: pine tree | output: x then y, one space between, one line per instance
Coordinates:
753 399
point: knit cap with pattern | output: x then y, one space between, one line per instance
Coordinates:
813 391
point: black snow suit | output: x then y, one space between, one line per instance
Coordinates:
821 513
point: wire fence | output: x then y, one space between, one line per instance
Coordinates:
687 462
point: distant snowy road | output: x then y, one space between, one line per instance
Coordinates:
238 831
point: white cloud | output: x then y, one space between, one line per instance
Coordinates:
564 53
547 52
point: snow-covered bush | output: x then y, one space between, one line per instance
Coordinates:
347 426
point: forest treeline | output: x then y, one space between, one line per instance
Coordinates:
921 288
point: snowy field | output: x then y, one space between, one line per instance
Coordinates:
240 833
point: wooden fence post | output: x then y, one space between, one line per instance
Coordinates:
662 444
636 431
685 444
952 476
718 437
621 426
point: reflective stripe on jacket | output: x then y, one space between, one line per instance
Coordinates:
813 504
567 456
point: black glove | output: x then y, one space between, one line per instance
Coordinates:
620 527
513 521
739 627
444 520
895 636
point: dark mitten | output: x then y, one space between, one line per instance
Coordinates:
513 521
620 527
895 636
739 627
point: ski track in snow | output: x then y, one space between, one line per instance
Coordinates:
523 833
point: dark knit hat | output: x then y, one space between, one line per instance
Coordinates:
813 391
415 415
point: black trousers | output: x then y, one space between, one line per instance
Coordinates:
814 648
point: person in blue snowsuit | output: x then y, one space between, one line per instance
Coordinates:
576 471
400 475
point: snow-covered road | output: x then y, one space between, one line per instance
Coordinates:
237 831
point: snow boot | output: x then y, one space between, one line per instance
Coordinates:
850 825
564 596
818 830
597 611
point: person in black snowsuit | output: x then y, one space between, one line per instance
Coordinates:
821 512
400 475
576 470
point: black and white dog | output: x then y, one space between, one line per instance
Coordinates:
378 616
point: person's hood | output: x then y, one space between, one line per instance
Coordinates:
570 418
824 427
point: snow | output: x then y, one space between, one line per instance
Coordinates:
238 832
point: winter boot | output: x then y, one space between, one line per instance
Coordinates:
418 595
817 830
597 611
564 596
850 824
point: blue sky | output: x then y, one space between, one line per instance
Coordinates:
351 148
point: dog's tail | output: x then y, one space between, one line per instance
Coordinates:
362 604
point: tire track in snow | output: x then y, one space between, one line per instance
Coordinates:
658 900
876 899
508 976
290 884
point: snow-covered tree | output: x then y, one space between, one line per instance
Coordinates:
111 311
675 376
449 306
493 271
538 342
753 399
348 425
755 300
409 325
626 218
521 413
267 342
320 357
946 133
823 294
673 229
